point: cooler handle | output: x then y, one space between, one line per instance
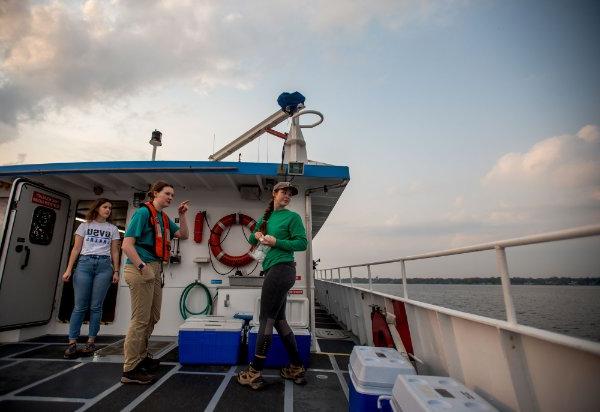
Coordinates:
383 397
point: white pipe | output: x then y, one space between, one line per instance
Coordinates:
502 264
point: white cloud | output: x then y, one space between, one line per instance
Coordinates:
589 133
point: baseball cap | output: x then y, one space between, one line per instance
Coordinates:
286 185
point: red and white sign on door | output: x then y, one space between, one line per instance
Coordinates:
45 200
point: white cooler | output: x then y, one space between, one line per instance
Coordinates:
373 372
435 393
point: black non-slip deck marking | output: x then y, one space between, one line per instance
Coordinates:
20 406
12 348
182 392
85 382
328 326
205 368
240 398
323 392
342 361
51 352
335 345
5 362
27 372
320 361
124 395
171 356
82 339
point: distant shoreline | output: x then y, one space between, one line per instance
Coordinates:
551 281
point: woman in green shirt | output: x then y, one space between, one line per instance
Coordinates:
282 231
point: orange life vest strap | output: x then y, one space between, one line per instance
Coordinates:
162 241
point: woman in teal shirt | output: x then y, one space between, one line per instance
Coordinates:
282 231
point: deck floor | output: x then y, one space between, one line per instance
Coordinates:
35 376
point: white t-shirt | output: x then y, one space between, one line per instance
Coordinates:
97 237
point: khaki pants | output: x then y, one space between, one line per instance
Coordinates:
146 299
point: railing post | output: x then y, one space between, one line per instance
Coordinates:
403 271
351 281
369 274
502 264
339 276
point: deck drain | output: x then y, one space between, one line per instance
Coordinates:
322 377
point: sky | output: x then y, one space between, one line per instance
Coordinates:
462 122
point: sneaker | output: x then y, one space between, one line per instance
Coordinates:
89 348
294 373
71 351
149 364
137 376
251 378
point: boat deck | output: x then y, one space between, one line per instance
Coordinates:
35 376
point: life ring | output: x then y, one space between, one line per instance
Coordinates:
215 239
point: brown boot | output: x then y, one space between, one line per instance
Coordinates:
294 373
251 378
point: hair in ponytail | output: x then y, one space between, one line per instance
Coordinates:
263 226
157 187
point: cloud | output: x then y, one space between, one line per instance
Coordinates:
567 161
55 55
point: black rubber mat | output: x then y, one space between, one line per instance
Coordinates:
12 348
51 352
239 398
323 392
5 362
87 381
124 395
328 326
27 372
206 368
342 361
182 392
335 346
320 361
19 406
171 356
82 339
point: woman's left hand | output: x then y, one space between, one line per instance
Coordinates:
115 278
268 240
183 207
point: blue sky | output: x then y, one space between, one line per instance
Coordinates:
462 121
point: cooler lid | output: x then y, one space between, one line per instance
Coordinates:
378 367
225 325
297 332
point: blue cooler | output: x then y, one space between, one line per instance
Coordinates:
210 340
434 393
277 356
373 372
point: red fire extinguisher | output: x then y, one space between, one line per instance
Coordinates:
198 226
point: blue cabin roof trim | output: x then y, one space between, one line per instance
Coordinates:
204 167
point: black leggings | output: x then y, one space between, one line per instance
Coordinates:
278 281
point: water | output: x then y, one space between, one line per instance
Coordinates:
571 310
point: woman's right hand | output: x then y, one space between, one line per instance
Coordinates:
66 276
258 236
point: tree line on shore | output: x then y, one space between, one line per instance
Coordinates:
554 280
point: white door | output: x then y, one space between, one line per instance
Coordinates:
31 252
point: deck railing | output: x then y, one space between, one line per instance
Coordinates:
501 260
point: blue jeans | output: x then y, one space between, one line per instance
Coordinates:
91 281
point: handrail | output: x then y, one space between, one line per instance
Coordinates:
501 260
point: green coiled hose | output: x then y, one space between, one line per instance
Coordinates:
183 308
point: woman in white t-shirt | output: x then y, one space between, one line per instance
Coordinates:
96 251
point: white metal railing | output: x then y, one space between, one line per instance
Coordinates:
501 260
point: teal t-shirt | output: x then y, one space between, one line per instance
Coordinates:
287 227
139 228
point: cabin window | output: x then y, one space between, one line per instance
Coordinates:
42 226
118 218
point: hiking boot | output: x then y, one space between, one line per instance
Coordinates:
251 378
71 351
89 348
294 373
149 364
137 376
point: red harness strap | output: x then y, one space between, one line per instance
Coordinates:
162 242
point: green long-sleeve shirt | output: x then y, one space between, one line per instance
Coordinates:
286 226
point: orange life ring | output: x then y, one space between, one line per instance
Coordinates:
215 239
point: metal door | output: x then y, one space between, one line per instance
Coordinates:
31 252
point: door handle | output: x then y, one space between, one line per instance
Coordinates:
26 260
